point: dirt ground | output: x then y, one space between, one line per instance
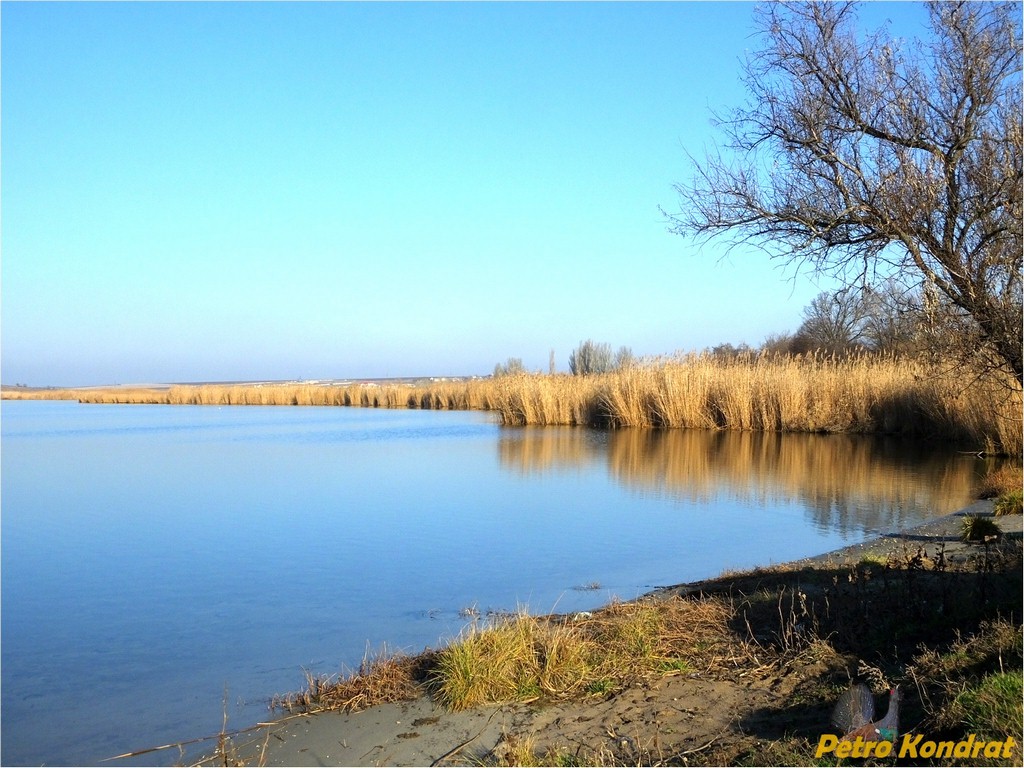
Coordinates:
673 718
697 718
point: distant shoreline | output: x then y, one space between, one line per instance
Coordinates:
163 386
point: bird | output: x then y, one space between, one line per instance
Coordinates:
855 710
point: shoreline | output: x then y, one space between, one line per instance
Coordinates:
421 732
942 531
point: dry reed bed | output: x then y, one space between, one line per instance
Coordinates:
109 395
460 396
866 394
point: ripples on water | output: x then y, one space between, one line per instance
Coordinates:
153 556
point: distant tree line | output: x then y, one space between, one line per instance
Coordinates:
588 359
887 319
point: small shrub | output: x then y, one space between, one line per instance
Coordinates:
976 528
1009 504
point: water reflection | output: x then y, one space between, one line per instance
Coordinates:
845 483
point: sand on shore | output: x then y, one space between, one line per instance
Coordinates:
694 710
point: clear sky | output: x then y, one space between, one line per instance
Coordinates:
224 191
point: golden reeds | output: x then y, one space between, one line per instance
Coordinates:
771 393
866 394
380 678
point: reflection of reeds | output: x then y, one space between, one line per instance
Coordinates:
541 449
698 463
867 394
848 481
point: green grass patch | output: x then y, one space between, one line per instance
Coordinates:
994 707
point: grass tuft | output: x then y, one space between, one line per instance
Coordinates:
380 678
1006 479
522 658
975 528
1009 504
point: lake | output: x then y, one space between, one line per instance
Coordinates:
164 564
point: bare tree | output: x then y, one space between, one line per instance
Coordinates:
867 158
624 359
835 322
590 357
511 367
892 318
781 344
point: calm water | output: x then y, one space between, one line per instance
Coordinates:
155 556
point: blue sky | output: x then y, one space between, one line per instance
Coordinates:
224 191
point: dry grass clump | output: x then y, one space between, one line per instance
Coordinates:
1008 479
524 657
501 663
976 528
379 679
1009 504
522 751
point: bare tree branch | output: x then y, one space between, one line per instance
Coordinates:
873 156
